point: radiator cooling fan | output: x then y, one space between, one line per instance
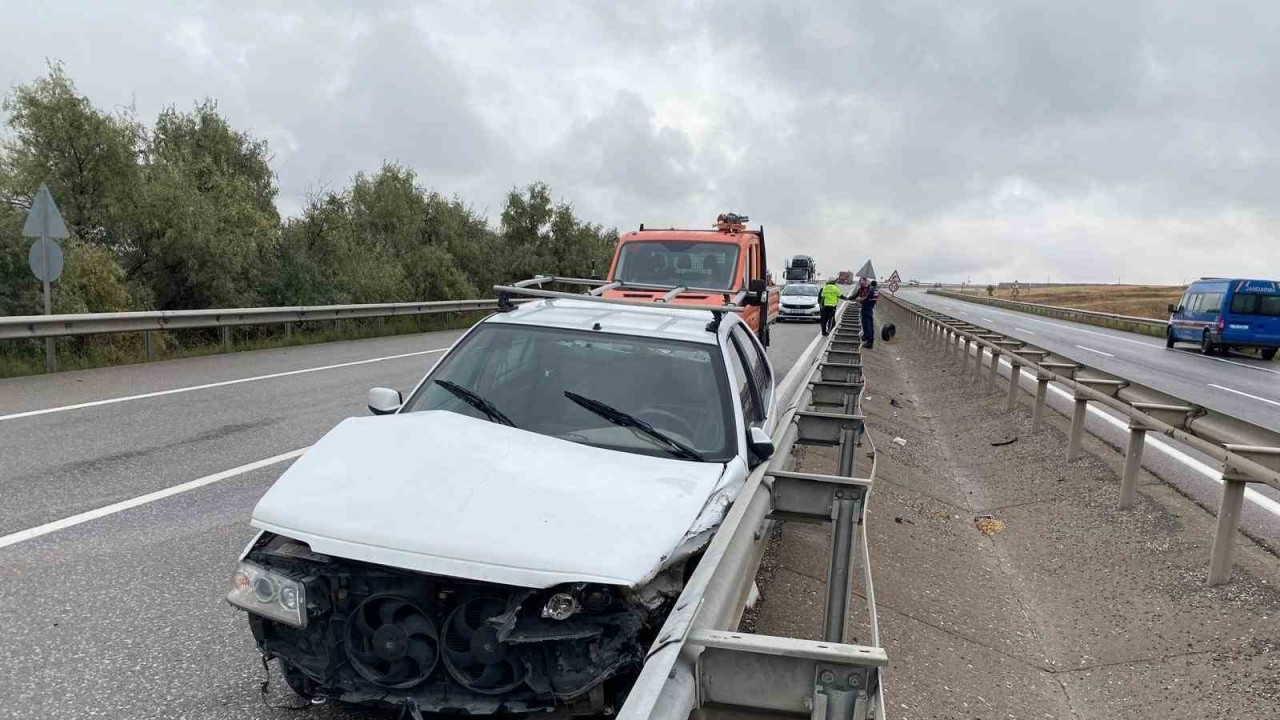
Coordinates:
391 642
472 652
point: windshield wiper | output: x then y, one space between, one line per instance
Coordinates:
476 401
621 419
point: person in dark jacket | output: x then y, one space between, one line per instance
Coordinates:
867 296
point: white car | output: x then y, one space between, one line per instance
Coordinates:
799 301
511 537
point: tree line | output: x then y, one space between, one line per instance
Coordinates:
182 215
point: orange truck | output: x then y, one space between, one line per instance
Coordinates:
722 266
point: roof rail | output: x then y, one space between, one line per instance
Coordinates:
533 288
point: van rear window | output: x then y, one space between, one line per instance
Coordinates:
1243 304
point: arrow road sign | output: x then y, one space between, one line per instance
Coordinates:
44 220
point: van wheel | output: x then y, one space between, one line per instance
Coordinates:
1206 345
1168 338
1269 354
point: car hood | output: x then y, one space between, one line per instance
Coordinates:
446 494
799 300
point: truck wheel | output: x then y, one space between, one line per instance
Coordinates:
1206 345
1168 338
1269 354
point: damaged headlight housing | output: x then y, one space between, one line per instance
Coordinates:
268 594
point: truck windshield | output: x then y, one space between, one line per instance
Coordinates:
684 263
677 388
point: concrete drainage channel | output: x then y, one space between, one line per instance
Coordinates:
700 660
1246 453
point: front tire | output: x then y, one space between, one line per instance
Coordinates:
1168 338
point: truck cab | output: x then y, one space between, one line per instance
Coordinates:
722 266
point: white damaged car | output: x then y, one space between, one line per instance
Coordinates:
511 537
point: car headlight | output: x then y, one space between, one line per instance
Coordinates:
268 594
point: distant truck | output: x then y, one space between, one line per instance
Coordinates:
722 266
801 268
845 277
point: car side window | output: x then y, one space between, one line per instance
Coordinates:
744 385
1193 302
1184 304
1211 303
758 364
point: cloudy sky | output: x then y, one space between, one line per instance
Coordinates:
993 139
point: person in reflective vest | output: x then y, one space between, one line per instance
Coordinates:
867 296
829 298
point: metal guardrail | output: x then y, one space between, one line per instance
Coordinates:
1146 326
46 326
1246 452
700 660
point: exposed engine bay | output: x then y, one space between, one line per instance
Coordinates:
377 635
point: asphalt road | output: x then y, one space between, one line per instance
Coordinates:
122 616
1240 385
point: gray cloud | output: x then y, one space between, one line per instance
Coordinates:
991 139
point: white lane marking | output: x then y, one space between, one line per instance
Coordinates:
84 517
1238 392
224 383
1023 330
984 317
1243 365
1163 446
1082 347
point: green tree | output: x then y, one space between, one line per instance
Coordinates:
88 158
207 213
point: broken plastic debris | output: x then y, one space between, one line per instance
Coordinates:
900 442
1004 442
988 525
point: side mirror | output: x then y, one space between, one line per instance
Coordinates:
758 285
384 401
1173 308
760 445
757 290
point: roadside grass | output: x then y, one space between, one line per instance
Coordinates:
26 357
1148 301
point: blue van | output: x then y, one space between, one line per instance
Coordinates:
1223 314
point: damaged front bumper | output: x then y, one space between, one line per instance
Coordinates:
381 636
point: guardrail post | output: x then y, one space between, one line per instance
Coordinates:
1224 535
148 351
964 357
50 355
337 327
1037 413
977 364
288 330
1233 486
226 338
995 369
1132 464
1015 371
1077 427
838 573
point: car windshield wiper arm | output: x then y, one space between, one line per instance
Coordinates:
617 417
476 401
